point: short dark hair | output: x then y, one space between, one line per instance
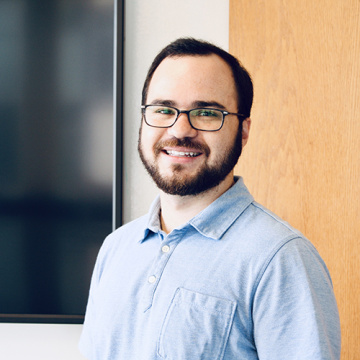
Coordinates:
194 47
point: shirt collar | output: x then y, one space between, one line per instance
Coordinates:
214 220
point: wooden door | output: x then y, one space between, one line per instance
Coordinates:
303 157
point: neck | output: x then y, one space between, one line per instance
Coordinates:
177 210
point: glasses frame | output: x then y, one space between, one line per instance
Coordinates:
187 112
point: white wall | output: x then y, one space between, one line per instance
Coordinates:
39 342
149 26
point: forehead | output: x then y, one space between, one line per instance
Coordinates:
188 79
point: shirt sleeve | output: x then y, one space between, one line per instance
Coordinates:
295 314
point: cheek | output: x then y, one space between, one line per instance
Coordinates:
224 142
149 137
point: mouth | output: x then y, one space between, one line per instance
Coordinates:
182 153
183 150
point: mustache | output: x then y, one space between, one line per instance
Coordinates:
184 142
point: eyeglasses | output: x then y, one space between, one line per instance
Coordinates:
203 119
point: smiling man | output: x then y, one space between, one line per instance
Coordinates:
208 273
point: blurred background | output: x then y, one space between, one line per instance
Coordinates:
56 156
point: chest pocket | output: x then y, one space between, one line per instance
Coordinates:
196 326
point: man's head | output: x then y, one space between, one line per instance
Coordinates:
192 47
190 74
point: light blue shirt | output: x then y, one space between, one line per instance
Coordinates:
235 282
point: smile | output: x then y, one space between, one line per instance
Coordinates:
182 153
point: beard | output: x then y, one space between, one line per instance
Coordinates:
206 176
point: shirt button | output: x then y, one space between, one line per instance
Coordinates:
152 279
165 249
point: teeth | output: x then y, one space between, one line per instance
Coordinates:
181 153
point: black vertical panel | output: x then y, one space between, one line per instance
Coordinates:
56 152
118 112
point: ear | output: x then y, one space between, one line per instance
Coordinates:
245 131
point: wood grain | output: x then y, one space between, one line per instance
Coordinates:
303 157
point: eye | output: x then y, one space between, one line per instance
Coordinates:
164 110
207 113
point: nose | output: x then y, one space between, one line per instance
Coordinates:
182 127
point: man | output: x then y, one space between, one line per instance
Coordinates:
208 273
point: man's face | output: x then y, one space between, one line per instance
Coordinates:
182 160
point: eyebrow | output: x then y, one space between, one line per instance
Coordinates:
163 102
194 104
214 104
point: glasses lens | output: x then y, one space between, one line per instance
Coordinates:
206 119
160 116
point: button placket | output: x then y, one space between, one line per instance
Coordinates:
157 269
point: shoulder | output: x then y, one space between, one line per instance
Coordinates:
260 233
269 222
134 228
126 235
130 232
